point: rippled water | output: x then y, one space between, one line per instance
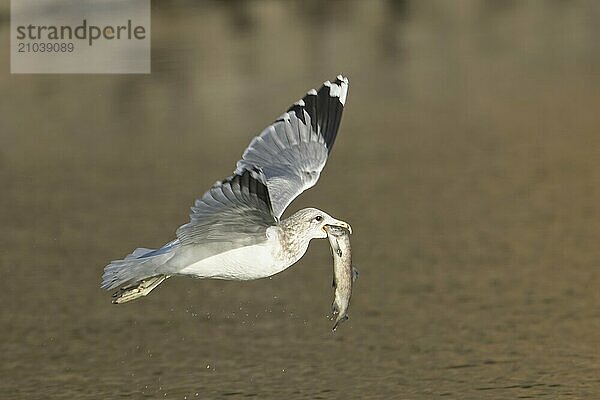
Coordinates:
467 163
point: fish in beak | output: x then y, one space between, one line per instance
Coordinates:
334 223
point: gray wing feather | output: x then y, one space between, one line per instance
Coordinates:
279 164
236 211
289 155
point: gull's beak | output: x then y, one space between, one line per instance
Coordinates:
338 223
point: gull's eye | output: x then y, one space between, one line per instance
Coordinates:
318 218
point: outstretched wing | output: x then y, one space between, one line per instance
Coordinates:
236 210
282 162
289 155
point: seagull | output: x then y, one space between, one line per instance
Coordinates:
235 230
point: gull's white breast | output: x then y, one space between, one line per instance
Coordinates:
244 263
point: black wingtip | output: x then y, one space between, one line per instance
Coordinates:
249 183
324 107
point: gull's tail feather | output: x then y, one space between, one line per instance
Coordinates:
139 265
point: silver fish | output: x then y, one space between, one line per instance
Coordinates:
343 272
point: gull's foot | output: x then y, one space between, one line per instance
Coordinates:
132 292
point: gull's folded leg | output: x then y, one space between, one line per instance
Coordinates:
141 289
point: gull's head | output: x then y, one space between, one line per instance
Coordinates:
313 222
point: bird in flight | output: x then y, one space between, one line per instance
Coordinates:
235 230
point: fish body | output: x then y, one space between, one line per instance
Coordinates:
343 272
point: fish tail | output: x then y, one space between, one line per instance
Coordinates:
339 321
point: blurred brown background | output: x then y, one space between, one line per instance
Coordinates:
467 162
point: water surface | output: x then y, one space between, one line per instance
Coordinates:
467 163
